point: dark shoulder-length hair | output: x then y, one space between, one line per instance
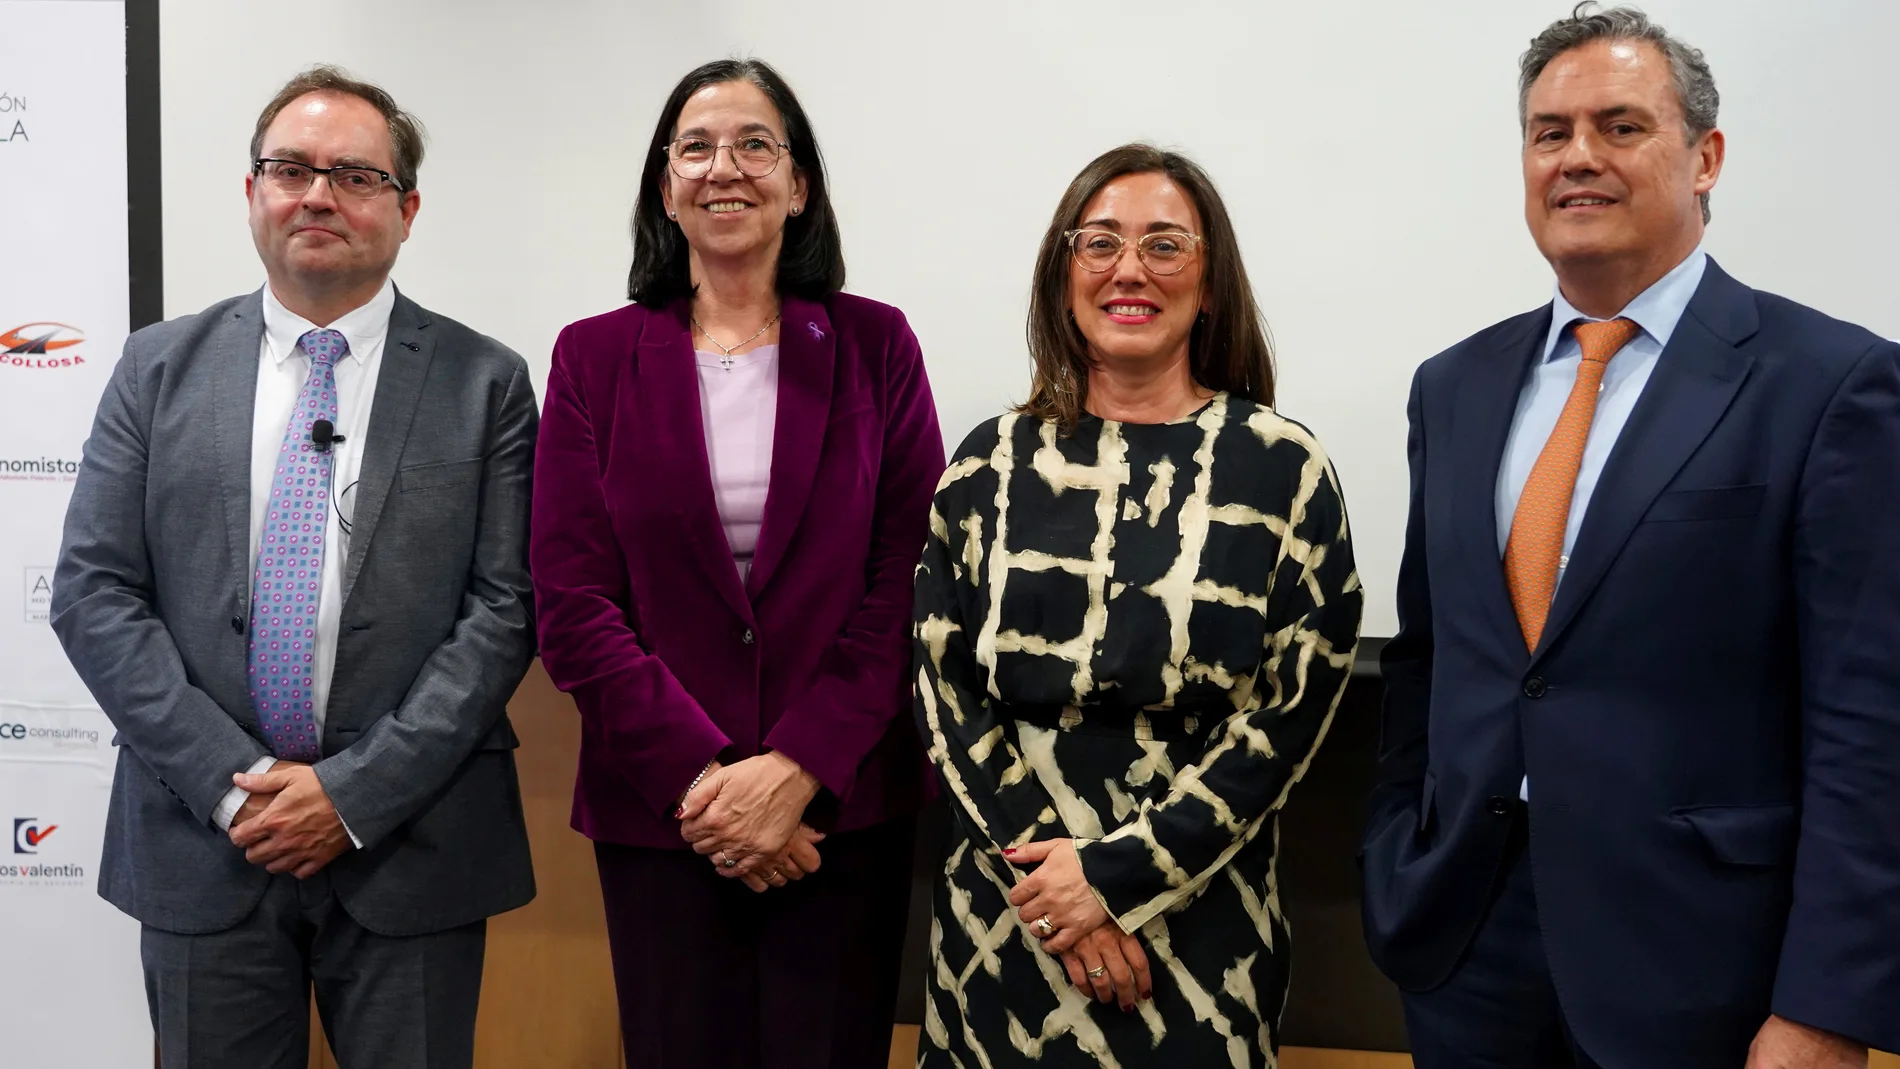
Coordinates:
1229 348
811 259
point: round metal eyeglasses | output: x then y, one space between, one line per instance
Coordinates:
755 155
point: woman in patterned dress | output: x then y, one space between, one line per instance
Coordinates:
1136 612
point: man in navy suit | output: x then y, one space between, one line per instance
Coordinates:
1639 799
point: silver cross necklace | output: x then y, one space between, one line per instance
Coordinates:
725 358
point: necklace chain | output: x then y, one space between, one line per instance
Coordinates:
725 357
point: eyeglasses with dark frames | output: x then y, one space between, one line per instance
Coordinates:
755 155
295 176
1165 252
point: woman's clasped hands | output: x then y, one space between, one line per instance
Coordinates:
746 819
1057 905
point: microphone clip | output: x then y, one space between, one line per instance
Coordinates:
323 435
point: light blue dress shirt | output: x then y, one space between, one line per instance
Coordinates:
1656 310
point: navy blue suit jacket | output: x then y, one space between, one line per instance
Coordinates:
1711 724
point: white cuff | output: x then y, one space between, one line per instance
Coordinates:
235 798
354 841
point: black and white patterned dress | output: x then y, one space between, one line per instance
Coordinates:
1134 636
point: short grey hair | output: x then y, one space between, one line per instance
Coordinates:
1695 85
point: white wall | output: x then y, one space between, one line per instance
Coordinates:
1368 152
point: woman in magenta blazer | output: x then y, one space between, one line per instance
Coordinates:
731 492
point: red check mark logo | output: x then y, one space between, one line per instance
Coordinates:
35 836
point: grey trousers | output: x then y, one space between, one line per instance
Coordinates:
239 999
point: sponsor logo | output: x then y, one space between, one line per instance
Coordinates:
37 346
15 735
38 470
13 119
39 595
29 833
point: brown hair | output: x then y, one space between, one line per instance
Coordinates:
1229 348
405 130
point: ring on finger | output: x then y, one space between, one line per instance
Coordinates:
1096 973
1043 927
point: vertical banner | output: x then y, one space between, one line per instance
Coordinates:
71 993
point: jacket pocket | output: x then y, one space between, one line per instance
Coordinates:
1715 503
1758 835
436 476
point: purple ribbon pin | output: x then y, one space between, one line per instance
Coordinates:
816 334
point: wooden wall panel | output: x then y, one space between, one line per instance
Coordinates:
548 987
320 1056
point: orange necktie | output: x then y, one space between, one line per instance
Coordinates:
1543 511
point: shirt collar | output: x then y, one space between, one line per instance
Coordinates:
363 327
1656 310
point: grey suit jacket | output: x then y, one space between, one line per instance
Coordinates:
152 600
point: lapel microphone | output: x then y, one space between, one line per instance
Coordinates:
323 434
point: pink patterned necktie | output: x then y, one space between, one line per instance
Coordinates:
289 580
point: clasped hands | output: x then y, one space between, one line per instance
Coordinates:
745 818
288 823
1102 961
1108 963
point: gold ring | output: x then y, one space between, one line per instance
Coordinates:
1043 927
1096 973
775 875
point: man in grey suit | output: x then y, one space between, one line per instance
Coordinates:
294 575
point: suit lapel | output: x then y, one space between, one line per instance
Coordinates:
807 359
406 356
669 399
1696 377
1485 409
234 350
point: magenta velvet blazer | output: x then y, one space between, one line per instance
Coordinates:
641 614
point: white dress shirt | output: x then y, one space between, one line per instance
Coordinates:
1656 310
282 371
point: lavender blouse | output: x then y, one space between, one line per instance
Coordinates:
738 406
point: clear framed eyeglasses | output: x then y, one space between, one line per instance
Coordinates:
755 155
1165 252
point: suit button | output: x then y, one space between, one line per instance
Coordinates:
1498 804
237 624
1534 687
747 637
